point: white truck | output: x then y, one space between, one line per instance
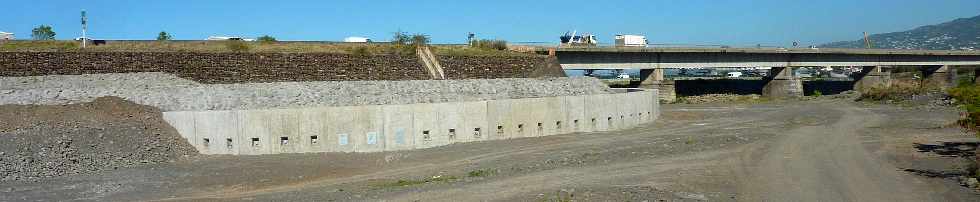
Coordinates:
571 39
631 40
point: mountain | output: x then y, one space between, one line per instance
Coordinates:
959 34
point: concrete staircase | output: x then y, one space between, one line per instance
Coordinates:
430 62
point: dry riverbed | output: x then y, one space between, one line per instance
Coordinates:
817 150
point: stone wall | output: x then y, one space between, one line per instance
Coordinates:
218 67
273 67
484 67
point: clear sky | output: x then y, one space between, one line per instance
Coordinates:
723 22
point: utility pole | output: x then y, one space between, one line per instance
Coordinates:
84 27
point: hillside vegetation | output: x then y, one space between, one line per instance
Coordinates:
959 34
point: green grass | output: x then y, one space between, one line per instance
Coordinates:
413 182
481 173
468 51
967 96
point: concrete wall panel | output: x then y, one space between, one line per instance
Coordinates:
554 119
314 130
450 123
183 122
523 115
369 129
259 127
596 112
426 125
341 130
500 119
538 119
398 128
574 107
475 121
287 138
217 127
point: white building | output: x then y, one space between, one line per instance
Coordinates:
357 39
6 36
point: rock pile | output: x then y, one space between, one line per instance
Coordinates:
49 141
718 98
171 93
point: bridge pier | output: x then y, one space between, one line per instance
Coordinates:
783 84
943 77
872 77
654 79
976 75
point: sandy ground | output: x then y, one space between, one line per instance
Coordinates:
820 150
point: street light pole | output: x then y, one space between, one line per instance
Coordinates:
84 27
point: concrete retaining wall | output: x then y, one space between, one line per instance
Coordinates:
379 128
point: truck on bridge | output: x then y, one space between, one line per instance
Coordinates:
631 40
571 39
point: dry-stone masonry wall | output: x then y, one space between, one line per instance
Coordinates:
218 67
486 67
273 67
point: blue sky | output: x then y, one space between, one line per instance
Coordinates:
725 22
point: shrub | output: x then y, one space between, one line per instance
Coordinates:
360 51
817 93
968 96
898 90
489 44
419 40
164 36
237 46
266 39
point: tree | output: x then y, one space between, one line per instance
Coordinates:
401 38
164 36
266 39
420 40
42 32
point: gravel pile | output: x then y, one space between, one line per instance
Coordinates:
49 141
718 98
171 93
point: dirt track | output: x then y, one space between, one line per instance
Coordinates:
825 150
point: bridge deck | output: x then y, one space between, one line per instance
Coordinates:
701 57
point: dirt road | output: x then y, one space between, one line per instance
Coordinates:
825 160
826 150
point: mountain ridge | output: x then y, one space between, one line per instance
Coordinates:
958 34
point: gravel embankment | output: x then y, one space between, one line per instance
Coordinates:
41 142
171 93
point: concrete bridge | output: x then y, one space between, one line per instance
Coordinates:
937 65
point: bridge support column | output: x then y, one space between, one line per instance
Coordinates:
872 77
942 77
976 75
654 79
783 84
